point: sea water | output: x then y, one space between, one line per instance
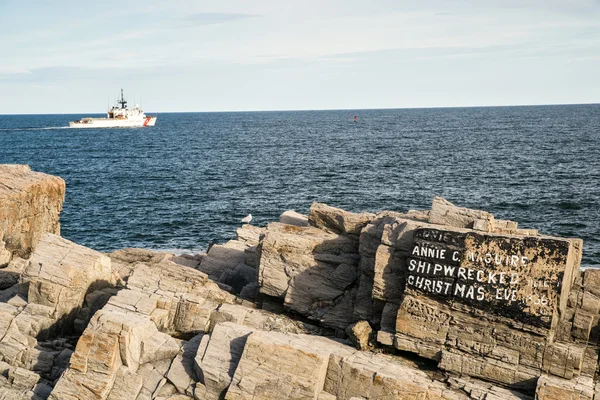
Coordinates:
189 180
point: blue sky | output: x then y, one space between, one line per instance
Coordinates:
74 56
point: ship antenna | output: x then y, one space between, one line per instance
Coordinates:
122 102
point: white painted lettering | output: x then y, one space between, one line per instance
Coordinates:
438 286
480 276
427 285
459 290
471 274
419 282
480 293
447 285
470 293
455 255
412 264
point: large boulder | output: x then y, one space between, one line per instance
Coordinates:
60 273
30 205
519 283
312 270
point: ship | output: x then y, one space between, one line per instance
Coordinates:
118 116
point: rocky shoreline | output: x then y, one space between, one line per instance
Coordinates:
447 303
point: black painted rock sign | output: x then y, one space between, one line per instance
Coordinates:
510 276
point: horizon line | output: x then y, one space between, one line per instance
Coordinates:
333 109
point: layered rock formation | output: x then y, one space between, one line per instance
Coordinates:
448 303
30 204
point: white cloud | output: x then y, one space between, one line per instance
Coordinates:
13 70
273 42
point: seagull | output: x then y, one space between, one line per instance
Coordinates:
247 219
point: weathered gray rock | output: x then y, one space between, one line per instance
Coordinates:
239 277
250 291
125 260
275 365
114 338
445 213
369 376
189 260
249 234
291 217
337 220
60 274
553 388
221 357
11 272
312 270
446 291
223 257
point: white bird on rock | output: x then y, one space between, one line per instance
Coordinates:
247 219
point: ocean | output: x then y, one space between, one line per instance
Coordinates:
191 179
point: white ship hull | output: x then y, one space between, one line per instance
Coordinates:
113 123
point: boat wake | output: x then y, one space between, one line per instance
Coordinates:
43 128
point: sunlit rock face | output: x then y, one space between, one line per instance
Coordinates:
30 204
311 307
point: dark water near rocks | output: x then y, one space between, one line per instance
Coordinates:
190 179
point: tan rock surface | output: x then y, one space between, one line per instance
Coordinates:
291 217
30 204
61 273
223 257
284 366
445 213
221 357
361 334
313 271
337 220
162 329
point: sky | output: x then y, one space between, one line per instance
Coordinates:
67 56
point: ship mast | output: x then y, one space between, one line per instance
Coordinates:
122 102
